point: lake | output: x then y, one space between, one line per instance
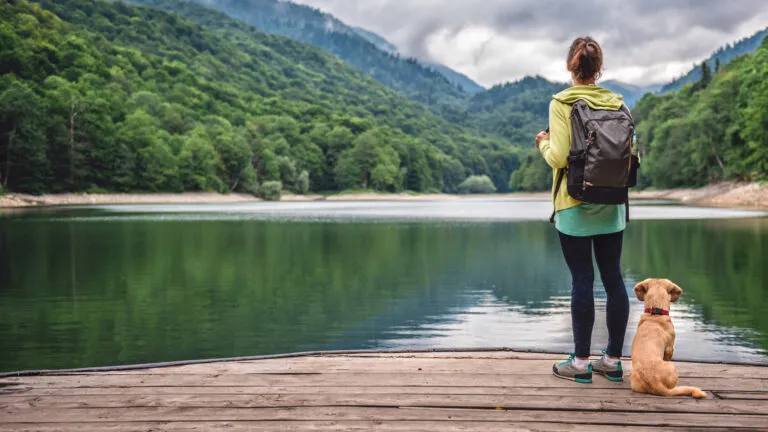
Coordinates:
93 286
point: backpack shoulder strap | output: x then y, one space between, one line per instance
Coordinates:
626 111
560 175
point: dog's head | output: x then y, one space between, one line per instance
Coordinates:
658 292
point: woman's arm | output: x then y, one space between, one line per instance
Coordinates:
555 149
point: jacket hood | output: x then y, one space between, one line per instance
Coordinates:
596 97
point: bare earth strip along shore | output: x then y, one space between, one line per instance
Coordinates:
736 195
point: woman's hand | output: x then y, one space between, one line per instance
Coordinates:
541 136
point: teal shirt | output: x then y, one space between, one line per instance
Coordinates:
591 219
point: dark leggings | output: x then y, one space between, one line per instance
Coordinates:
578 255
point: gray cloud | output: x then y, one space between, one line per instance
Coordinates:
501 40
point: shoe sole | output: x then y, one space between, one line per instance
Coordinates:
575 379
610 378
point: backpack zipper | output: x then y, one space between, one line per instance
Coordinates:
604 119
629 163
591 137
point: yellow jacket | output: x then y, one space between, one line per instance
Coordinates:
556 149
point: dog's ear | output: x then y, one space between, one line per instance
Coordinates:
641 289
674 291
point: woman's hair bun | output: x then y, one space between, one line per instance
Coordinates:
585 58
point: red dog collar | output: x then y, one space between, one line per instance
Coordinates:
656 311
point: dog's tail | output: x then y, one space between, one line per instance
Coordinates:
682 391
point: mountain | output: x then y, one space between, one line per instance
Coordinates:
377 40
723 55
712 130
516 110
365 51
107 96
508 114
632 93
462 81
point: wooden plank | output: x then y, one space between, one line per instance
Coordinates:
358 380
336 426
430 391
743 395
46 415
509 355
457 355
580 392
625 404
432 365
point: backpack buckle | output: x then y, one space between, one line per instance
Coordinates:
591 137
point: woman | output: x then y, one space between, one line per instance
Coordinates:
583 226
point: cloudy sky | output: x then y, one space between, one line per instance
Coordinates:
492 41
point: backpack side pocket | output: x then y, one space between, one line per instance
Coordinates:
576 163
633 169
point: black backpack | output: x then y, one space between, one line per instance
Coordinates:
601 167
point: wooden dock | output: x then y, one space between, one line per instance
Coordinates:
460 391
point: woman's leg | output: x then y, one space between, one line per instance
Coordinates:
578 256
608 256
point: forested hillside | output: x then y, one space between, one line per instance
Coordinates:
106 96
517 110
308 25
100 96
714 129
720 57
511 111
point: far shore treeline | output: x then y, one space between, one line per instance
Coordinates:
98 96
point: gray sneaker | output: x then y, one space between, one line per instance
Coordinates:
569 371
612 372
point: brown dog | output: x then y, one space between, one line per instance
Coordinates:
654 344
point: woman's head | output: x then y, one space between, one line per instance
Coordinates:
585 59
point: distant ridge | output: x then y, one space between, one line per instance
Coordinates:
631 93
724 54
366 51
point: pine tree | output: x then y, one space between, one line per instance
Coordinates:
706 77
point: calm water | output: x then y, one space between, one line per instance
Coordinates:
131 284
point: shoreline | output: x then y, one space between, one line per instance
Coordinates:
737 195
730 195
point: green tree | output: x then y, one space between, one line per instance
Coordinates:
453 174
271 190
302 183
24 163
288 172
338 140
268 170
348 174
66 106
477 185
197 163
235 156
158 170
706 76
309 157
533 175
366 155
385 174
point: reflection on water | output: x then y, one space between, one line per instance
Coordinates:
85 287
507 209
